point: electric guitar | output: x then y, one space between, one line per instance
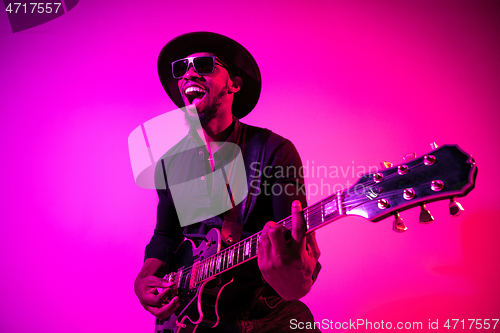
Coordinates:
444 173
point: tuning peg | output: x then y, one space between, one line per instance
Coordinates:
409 157
386 164
425 215
455 207
434 145
398 224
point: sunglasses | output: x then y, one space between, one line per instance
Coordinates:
202 65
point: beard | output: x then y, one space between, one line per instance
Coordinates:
202 119
210 112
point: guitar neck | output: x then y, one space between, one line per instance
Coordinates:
316 216
444 173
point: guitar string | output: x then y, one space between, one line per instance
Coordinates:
208 264
237 247
352 189
314 217
313 212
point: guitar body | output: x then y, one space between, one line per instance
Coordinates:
198 304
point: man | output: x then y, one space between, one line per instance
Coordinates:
218 81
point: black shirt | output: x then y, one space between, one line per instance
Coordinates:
193 199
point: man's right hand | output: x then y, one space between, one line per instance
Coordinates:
146 285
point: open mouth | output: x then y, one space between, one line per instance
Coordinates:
194 94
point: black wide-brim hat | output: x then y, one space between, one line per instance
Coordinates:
224 47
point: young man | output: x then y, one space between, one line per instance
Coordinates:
218 81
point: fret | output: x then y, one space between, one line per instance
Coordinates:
339 203
230 259
314 216
255 245
207 267
241 252
257 240
330 209
247 248
219 260
244 254
237 247
224 260
306 217
179 278
235 254
322 212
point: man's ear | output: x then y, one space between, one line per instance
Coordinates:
237 82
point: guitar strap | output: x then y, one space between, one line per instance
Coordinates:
252 142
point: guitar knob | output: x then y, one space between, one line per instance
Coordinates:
383 203
408 193
429 159
434 145
425 215
378 177
437 185
403 169
455 207
386 164
409 157
398 225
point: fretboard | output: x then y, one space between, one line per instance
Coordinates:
316 216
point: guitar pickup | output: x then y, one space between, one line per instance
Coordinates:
193 280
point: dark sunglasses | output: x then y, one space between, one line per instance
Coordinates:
202 65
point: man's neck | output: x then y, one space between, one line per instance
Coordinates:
216 130
214 135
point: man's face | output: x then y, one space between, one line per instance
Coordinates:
207 93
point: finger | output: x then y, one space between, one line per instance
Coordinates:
313 245
277 239
166 310
156 282
298 221
269 225
153 297
162 283
167 292
264 244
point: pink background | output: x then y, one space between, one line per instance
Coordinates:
349 82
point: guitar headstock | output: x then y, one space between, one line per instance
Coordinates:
444 173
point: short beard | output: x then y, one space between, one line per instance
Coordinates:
203 118
208 114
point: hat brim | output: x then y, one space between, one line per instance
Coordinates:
244 100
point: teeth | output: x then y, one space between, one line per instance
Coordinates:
193 89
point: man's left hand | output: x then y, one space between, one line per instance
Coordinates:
288 265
